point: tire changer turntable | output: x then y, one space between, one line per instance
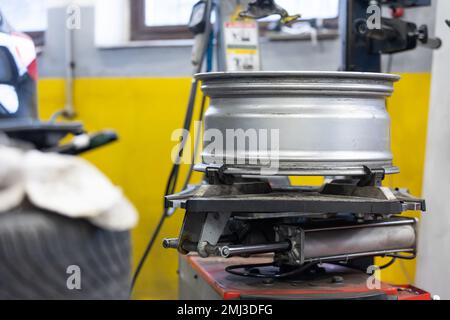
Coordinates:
247 234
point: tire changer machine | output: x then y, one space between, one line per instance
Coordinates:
250 235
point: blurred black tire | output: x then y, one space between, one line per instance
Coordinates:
37 247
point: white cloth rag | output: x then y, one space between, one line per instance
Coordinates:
67 185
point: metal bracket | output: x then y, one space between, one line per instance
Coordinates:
296 236
190 230
213 228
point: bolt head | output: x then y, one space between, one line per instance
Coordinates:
337 279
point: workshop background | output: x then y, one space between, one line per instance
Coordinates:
141 89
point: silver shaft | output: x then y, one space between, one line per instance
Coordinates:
170 243
230 251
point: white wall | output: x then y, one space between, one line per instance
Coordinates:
112 22
25 15
61 3
433 271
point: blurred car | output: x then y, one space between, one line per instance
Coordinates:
18 73
18 95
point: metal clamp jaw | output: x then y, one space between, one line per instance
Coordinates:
373 177
216 175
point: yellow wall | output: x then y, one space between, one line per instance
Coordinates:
409 115
145 111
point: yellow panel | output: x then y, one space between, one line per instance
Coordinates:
306 181
146 111
408 108
51 97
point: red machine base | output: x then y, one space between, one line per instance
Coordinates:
207 279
